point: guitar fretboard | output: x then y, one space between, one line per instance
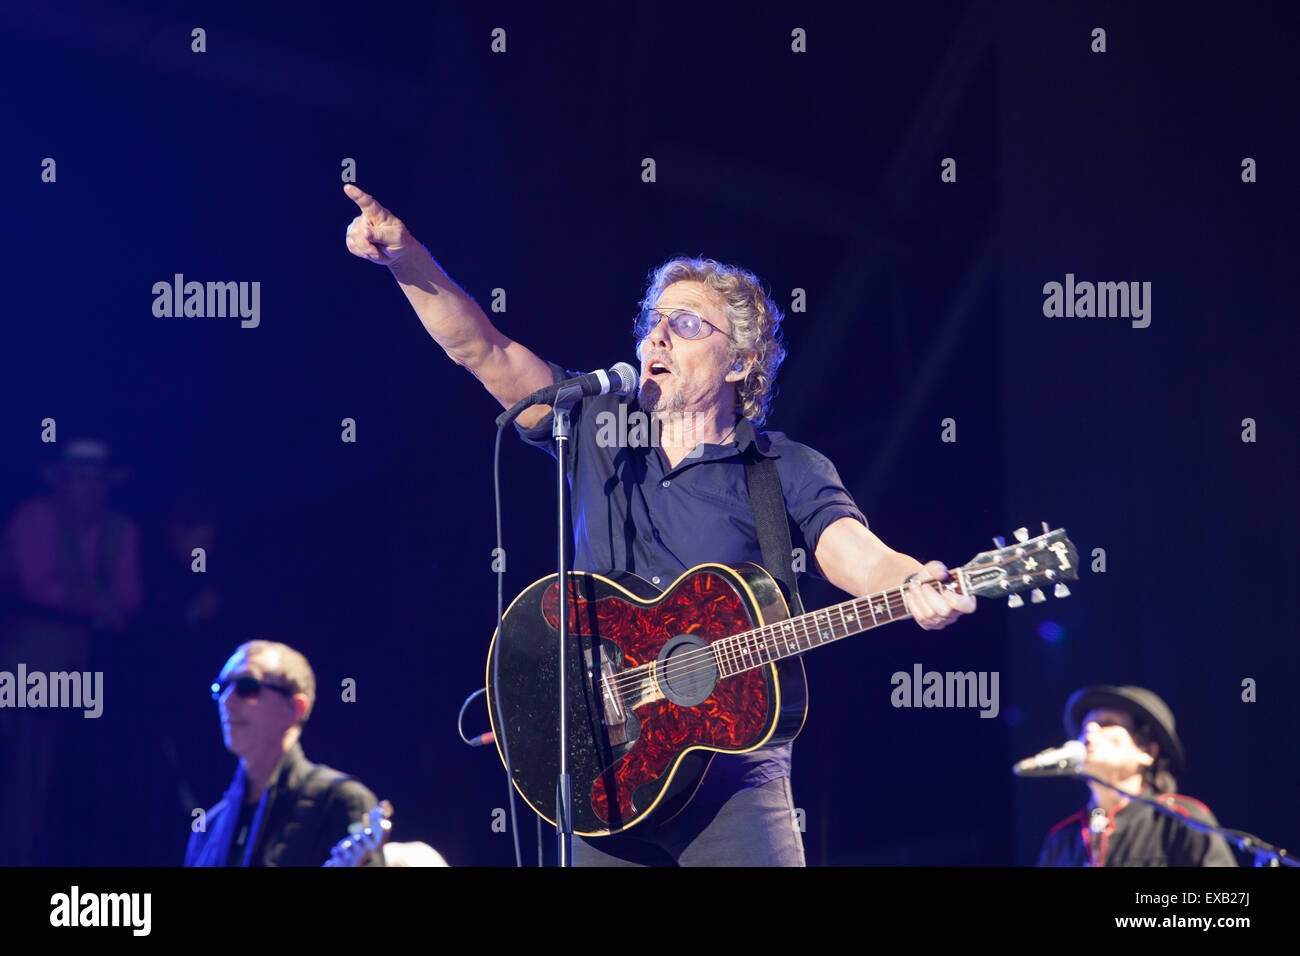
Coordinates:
773 642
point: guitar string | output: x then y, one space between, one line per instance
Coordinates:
704 659
706 656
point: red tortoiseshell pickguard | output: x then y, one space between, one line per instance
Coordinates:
733 717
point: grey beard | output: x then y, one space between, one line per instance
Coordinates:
651 400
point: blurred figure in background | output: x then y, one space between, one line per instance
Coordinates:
70 581
1132 745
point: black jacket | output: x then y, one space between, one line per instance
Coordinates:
308 810
1135 834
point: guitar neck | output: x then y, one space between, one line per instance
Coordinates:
351 850
797 635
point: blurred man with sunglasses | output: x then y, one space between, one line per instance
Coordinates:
280 809
708 338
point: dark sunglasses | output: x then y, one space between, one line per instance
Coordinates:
246 687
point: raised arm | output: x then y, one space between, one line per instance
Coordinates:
505 368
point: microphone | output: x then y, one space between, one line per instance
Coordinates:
1060 761
621 380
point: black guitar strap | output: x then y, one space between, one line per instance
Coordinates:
772 523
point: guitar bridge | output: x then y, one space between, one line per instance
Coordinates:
606 685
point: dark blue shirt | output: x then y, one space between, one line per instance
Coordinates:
632 512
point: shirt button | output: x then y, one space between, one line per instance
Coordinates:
654 580
667 483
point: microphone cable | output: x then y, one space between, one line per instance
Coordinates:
496 657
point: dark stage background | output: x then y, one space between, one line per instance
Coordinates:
522 171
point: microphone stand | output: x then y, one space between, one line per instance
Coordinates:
1265 853
566 396
560 427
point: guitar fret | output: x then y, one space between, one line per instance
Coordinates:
791 639
780 633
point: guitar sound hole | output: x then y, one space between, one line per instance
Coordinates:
686 670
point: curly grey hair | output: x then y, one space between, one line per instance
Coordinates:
755 324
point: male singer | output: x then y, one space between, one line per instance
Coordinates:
709 345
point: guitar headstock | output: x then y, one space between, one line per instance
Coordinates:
352 849
1030 563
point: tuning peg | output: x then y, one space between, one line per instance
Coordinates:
1000 541
1046 529
1022 535
1015 601
1036 595
1061 590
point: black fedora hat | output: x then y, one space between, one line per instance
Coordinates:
1146 708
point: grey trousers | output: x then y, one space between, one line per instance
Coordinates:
753 826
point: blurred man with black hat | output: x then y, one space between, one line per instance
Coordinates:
1131 744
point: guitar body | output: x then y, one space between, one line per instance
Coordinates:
659 683
647 708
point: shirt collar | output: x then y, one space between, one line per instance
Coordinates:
748 436
747 439
1124 804
291 769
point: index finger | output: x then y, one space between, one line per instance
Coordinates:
937 570
370 208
